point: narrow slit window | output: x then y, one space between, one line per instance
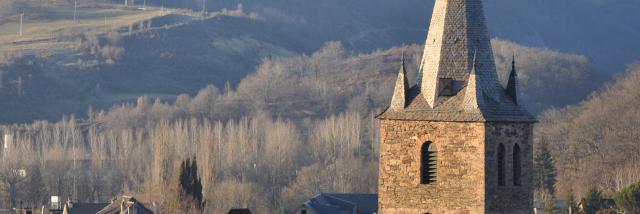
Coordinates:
501 164
517 165
429 163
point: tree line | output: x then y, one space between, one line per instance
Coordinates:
271 160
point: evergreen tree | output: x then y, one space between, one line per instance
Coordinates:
629 198
593 201
195 184
190 185
544 177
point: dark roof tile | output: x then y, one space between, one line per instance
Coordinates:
451 108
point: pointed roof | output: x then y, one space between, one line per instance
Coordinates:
456 32
123 203
512 84
398 101
458 81
342 203
473 97
83 208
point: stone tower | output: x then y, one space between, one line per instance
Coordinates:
457 141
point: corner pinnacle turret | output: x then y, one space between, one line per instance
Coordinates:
473 96
399 99
512 84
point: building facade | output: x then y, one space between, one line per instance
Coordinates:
457 141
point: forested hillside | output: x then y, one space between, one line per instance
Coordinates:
114 69
595 143
276 99
173 54
298 126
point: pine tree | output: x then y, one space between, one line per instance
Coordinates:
544 177
195 184
190 186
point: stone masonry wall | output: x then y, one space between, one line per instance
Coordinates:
460 167
509 198
467 168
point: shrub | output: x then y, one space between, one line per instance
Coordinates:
593 201
628 198
111 52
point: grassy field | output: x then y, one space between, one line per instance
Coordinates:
53 29
60 21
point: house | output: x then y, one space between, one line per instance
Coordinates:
82 208
125 205
342 203
24 210
239 211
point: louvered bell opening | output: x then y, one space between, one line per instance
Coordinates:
425 168
433 166
429 164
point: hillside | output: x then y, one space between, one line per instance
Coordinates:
270 96
324 82
50 29
179 53
189 57
293 119
605 31
161 56
595 142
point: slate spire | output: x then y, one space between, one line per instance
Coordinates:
457 32
512 84
399 99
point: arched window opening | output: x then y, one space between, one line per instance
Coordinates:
517 165
501 165
429 164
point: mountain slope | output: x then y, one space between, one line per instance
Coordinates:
166 61
605 31
594 143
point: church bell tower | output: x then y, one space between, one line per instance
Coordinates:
457 141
